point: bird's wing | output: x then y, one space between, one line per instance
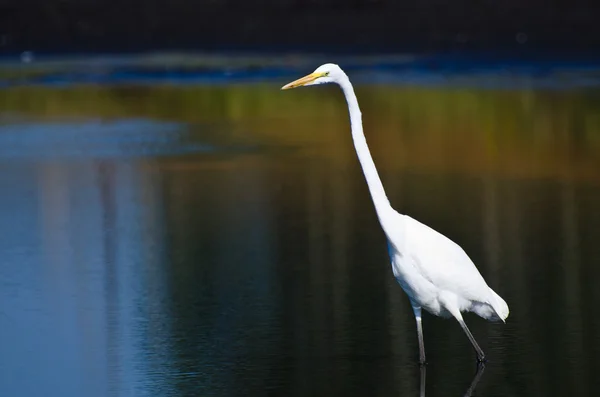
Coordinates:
443 262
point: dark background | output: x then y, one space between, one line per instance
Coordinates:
87 26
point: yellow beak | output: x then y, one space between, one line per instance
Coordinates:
303 81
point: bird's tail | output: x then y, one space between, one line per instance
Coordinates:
499 306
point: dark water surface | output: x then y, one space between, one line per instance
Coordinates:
220 241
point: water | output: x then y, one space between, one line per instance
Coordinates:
170 240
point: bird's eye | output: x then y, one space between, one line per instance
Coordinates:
326 74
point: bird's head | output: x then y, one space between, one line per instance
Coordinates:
327 73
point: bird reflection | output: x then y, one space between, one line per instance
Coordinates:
470 390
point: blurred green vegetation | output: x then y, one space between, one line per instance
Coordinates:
519 132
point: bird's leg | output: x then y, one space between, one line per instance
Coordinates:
478 374
480 355
422 386
417 311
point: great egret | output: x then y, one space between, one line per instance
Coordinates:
436 273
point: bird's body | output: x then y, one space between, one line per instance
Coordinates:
436 273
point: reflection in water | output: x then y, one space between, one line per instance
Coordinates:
476 379
110 236
86 309
515 133
181 271
470 390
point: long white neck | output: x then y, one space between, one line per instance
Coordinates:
382 204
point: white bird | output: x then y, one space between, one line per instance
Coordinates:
436 273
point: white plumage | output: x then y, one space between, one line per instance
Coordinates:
436 273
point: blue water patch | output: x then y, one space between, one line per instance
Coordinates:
477 71
150 76
95 138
